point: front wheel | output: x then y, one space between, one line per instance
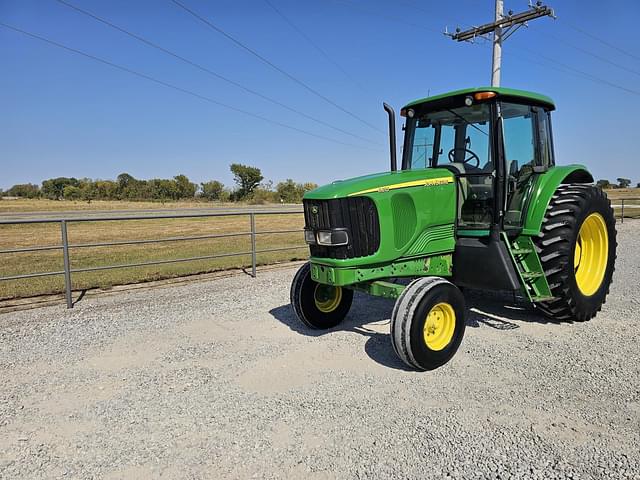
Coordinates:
317 305
427 323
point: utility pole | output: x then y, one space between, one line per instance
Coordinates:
502 28
496 62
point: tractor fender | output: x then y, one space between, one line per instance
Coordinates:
545 187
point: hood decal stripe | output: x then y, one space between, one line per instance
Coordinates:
416 183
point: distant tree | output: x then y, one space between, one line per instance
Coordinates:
289 191
124 180
105 189
292 192
24 190
54 187
623 182
161 189
71 193
212 190
184 188
638 185
307 187
247 178
604 184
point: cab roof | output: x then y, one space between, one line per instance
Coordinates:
510 93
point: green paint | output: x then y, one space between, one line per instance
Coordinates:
424 214
527 262
544 188
379 288
437 265
528 97
344 188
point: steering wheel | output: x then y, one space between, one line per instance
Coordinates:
472 156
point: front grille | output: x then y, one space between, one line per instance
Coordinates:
358 215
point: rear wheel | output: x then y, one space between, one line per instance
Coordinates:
427 323
317 305
578 252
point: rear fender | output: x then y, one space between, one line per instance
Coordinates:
545 187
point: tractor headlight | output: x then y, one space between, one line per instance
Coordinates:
310 237
332 237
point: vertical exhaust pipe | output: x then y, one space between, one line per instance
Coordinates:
392 135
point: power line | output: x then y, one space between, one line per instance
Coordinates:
502 27
314 44
568 68
272 65
581 73
210 72
171 86
594 55
604 42
356 6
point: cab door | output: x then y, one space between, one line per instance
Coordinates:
528 152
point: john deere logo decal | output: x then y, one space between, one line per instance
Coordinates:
314 209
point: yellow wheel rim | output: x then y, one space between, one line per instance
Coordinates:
327 298
591 254
439 326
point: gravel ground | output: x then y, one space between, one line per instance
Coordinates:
216 379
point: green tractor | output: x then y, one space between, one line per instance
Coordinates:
478 202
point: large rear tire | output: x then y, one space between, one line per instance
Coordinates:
427 323
317 305
577 249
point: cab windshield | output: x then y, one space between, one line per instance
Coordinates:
458 137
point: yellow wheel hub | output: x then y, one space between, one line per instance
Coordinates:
439 326
591 254
327 298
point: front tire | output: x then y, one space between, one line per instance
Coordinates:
317 305
428 323
577 249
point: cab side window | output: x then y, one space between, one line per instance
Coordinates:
545 148
519 139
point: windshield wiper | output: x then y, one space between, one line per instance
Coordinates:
467 122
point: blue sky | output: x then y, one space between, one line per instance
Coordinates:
66 115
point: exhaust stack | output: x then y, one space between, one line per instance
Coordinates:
392 135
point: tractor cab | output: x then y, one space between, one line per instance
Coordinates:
494 140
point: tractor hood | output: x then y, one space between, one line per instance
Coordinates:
381 182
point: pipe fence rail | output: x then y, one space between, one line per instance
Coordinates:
622 206
66 247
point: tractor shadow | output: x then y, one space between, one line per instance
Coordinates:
484 309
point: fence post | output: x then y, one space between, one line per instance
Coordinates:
253 244
622 214
67 268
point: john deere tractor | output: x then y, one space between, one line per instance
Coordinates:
478 202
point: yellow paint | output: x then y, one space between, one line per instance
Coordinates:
439 326
415 183
591 254
327 298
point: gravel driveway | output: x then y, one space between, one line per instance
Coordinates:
216 379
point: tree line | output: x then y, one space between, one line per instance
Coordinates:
622 183
249 186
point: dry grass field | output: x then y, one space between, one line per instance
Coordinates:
20 236
17 236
